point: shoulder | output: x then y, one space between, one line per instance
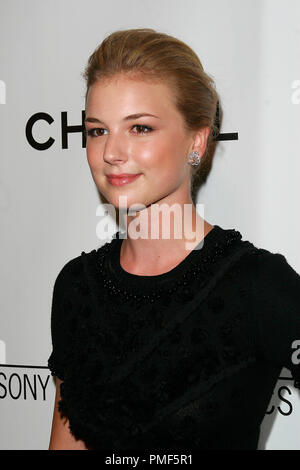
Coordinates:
249 263
264 278
70 270
64 290
272 288
71 284
275 297
269 272
78 274
69 298
68 276
74 269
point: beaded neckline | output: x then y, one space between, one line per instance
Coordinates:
196 265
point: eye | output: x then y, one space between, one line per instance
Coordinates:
95 131
90 132
149 129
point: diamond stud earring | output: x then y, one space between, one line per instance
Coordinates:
194 158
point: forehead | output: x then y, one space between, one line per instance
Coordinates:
130 95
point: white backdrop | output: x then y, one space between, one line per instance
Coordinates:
48 199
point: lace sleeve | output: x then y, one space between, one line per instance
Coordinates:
63 311
276 287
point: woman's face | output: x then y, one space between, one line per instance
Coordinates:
156 147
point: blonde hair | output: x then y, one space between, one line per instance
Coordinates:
144 53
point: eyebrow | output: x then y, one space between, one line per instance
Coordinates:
127 118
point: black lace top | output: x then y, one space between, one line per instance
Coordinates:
172 361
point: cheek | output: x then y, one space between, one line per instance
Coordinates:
167 160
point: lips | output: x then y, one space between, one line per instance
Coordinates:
124 178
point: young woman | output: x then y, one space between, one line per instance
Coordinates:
160 342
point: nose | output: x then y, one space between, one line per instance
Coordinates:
114 151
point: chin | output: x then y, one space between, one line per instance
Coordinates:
124 201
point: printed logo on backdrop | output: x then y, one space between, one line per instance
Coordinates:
66 128
279 401
32 384
17 384
284 405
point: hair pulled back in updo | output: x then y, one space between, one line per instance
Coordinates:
144 53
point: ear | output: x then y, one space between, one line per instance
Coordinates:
200 140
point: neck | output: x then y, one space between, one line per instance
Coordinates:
162 234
